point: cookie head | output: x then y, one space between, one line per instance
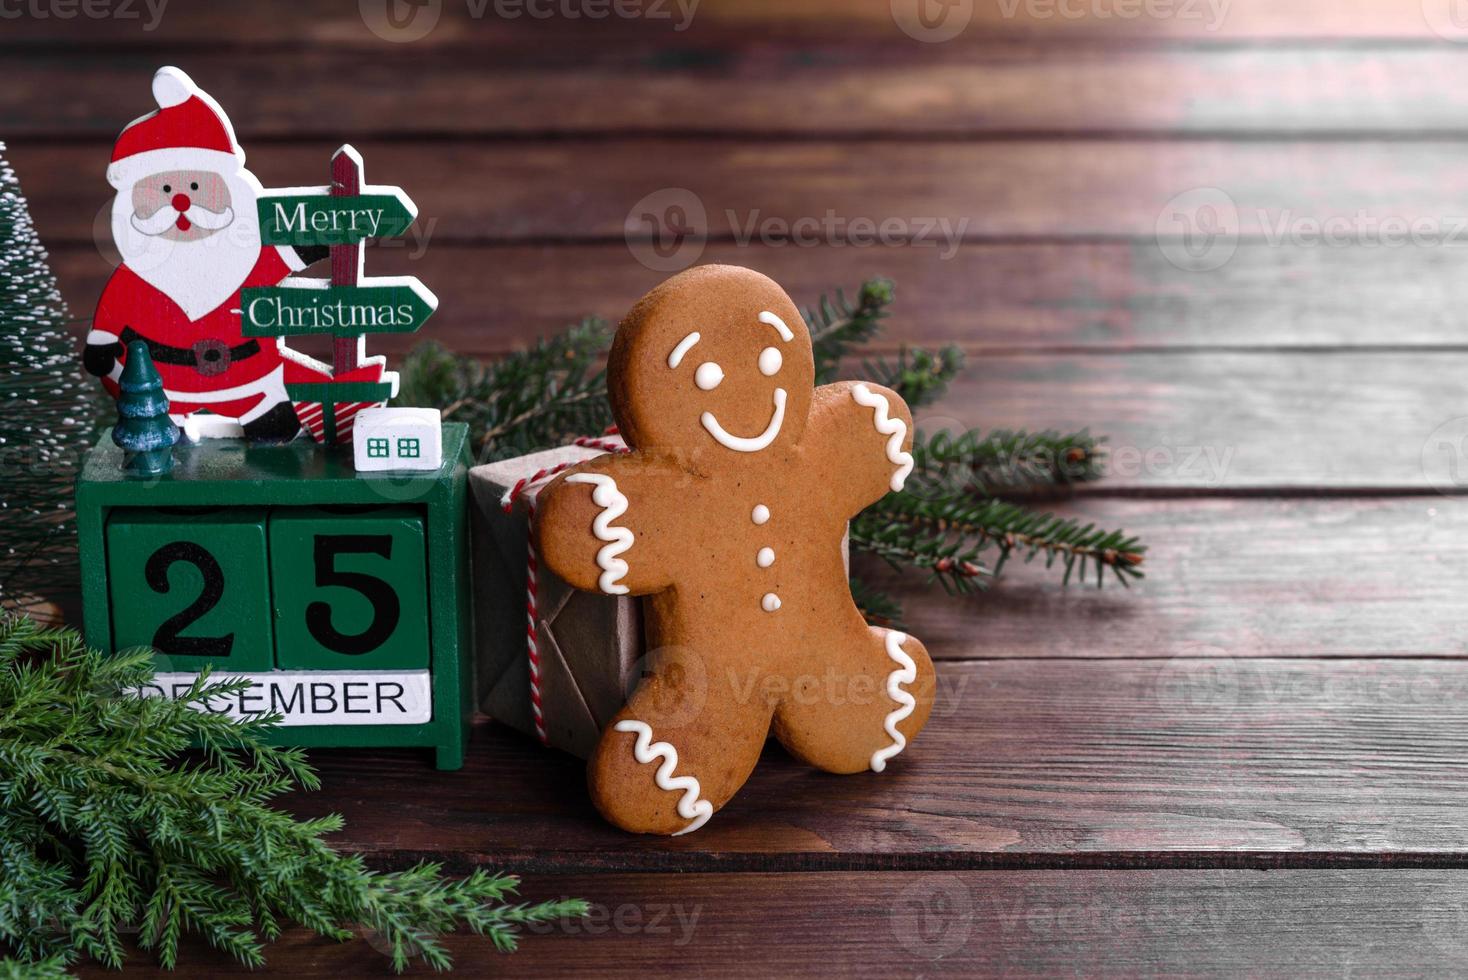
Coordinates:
716 361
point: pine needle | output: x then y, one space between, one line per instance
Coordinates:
109 828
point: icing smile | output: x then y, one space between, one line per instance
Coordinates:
750 444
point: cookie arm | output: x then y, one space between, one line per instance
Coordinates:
596 526
864 432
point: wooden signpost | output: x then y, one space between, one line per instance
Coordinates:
348 306
339 595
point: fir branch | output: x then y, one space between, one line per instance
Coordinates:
534 399
947 535
51 968
836 326
951 560
108 827
878 608
919 376
1005 459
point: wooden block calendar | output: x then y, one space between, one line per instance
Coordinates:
342 596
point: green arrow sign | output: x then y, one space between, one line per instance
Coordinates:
336 392
313 306
311 216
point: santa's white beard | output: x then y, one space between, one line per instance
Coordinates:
200 275
166 217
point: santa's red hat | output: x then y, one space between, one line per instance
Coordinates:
189 131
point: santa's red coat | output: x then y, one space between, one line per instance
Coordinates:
132 307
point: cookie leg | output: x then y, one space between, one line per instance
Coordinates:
865 711
676 753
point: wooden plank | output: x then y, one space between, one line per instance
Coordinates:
1226 578
929 195
1235 421
120 23
1223 421
661 84
1177 761
989 297
1048 923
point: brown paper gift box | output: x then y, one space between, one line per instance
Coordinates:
589 643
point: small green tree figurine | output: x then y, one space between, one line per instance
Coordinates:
144 430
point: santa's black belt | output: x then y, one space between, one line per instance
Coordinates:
207 356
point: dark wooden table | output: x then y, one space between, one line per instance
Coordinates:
1252 763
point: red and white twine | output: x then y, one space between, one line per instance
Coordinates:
532 565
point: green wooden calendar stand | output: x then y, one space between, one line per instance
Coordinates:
342 596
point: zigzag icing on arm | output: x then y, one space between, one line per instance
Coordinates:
894 429
613 504
645 750
905 673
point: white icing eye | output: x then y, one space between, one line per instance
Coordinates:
708 376
770 360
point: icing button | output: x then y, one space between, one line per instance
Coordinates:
765 558
761 514
770 602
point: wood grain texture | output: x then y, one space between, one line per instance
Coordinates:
1226 578
1220 421
1053 923
1109 771
1200 422
937 193
743 83
321 23
988 297
1230 422
1182 761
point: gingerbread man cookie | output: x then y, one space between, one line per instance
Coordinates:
729 516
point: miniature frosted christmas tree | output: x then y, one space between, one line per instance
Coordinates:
47 412
144 430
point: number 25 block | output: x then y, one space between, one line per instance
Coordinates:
193 586
349 589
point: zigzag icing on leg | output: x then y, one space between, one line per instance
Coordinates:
645 750
905 673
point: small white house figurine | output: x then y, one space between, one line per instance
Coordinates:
397 439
